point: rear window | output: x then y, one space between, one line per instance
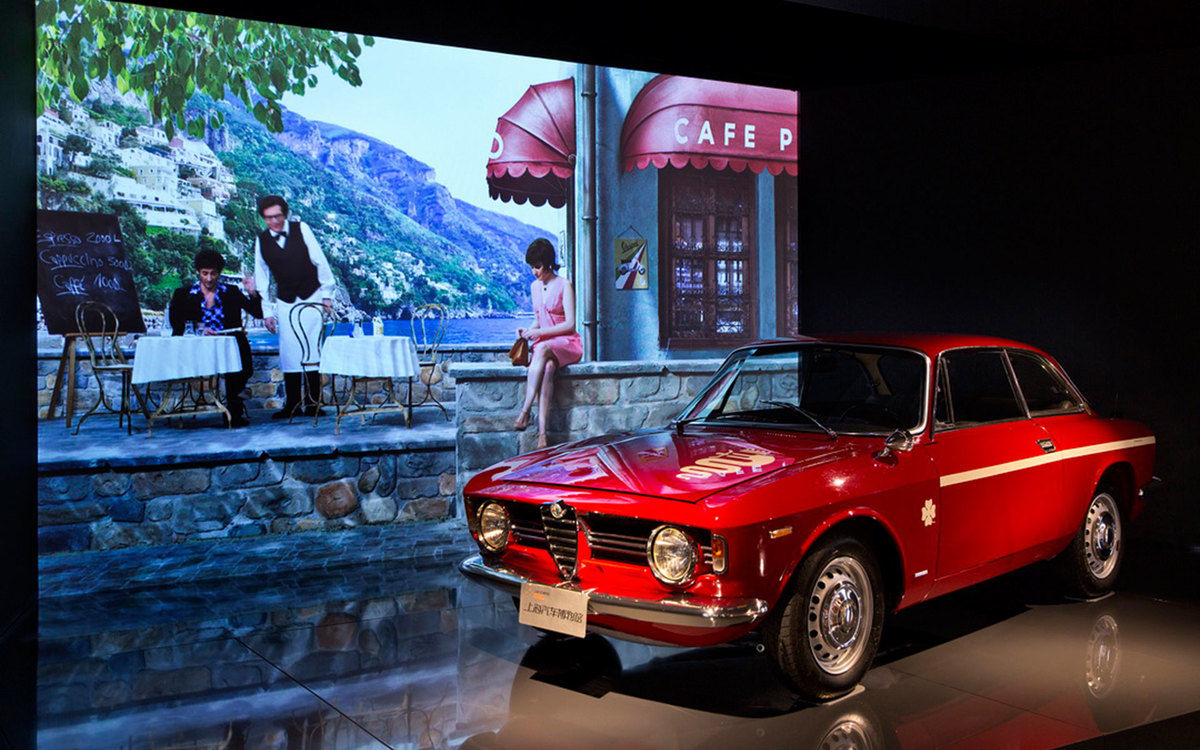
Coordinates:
980 389
1045 391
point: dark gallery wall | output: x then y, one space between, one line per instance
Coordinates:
1057 204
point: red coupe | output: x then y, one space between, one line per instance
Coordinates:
812 486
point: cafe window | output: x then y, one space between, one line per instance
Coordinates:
707 235
787 256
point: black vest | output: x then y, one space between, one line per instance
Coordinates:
294 272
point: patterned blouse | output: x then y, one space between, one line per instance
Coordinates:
211 317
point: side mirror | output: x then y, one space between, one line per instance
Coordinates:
900 440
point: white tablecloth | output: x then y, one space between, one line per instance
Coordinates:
157 358
370 356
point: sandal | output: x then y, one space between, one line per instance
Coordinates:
522 421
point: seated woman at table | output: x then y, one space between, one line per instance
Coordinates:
555 342
214 306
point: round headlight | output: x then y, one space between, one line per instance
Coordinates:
672 555
494 526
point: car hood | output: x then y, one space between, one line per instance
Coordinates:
664 463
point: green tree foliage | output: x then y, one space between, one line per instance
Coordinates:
76 144
167 55
104 166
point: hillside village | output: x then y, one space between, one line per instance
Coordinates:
176 184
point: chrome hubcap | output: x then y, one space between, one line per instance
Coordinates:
1102 535
839 609
852 733
1104 656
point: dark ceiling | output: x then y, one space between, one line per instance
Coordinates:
1060 27
803 45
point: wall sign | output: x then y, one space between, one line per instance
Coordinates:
632 256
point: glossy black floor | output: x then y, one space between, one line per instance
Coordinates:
405 656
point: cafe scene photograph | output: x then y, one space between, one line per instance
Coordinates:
420 390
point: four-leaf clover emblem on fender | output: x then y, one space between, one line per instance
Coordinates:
928 513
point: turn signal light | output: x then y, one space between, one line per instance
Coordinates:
720 559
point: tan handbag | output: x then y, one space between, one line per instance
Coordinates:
519 353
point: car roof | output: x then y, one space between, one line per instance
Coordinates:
931 344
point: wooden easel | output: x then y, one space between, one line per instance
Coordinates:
66 363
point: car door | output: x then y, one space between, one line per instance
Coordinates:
991 459
1055 404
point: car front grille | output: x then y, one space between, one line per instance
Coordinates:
612 538
562 537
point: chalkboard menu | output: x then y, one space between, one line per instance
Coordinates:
80 257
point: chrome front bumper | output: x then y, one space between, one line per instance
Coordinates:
672 610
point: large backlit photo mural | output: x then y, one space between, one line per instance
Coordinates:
421 178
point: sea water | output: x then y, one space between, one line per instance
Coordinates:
458 330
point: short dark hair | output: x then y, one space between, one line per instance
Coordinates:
267 201
209 258
541 253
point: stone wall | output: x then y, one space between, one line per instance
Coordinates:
104 509
589 399
265 386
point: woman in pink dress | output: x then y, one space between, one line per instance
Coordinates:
555 342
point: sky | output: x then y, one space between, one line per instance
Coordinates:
439 105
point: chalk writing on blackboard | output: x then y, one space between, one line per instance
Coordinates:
80 256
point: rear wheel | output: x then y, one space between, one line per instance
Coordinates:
1093 560
823 634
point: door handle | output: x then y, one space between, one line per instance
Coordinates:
1047 445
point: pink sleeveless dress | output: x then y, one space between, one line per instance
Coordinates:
548 310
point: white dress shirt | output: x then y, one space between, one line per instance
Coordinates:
262 274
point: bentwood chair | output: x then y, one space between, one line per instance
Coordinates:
100 329
301 318
428 329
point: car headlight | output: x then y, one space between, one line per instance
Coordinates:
672 555
494 526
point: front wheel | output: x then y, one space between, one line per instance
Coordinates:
1093 560
824 632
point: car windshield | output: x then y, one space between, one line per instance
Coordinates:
821 387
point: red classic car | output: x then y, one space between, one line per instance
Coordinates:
812 486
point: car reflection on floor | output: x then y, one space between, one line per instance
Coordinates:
419 658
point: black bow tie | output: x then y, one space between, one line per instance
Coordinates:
281 235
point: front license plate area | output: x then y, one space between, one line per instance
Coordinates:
557 610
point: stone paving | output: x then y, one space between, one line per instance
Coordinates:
101 442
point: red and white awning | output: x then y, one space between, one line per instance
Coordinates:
702 123
533 149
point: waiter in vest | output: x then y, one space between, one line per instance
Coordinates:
289 253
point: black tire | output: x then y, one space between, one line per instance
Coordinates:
823 634
1092 561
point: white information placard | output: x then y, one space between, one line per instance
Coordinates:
557 610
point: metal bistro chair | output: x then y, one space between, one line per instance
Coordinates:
99 328
428 328
310 350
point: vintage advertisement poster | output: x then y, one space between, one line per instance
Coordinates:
631 260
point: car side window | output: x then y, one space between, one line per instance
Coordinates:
1044 389
980 388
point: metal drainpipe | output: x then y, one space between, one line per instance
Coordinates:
587 239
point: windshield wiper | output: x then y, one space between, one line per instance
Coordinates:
804 413
679 424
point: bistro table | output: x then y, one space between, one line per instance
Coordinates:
188 363
363 359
